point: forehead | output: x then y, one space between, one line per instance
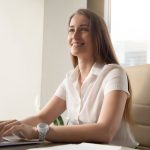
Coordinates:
78 20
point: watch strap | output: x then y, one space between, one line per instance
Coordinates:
42 130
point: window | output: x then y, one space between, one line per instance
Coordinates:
130 31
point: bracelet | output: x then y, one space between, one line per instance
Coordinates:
42 130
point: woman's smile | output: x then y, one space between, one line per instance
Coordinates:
77 44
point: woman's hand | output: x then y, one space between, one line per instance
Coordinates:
6 125
15 127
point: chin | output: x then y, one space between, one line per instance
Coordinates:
74 52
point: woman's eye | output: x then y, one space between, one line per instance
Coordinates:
84 29
71 30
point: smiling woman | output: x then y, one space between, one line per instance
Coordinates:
96 92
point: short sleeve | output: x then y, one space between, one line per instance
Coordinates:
116 80
61 90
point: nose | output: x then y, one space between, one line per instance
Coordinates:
76 34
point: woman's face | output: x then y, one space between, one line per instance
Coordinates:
79 37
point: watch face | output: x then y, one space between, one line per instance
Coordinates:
42 129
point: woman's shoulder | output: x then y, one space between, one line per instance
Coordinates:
113 66
113 69
72 73
110 67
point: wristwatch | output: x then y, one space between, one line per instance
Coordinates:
42 129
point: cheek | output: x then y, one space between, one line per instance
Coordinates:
69 40
90 40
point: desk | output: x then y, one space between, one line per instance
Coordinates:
24 147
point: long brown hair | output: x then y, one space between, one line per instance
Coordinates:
104 51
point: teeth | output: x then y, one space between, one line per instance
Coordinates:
78 44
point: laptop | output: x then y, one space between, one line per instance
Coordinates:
14 140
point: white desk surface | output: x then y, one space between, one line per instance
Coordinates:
25 147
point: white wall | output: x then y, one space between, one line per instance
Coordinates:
21 36
56 55
24 76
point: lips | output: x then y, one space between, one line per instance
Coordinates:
77 44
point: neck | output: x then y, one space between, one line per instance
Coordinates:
84 68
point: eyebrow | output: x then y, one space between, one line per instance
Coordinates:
82 25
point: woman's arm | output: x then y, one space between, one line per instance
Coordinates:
103 131
49 113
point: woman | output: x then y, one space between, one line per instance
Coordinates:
96 94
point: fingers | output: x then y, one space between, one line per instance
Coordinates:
6 122
22 130
6 125
11 130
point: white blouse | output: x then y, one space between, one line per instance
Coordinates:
84 105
